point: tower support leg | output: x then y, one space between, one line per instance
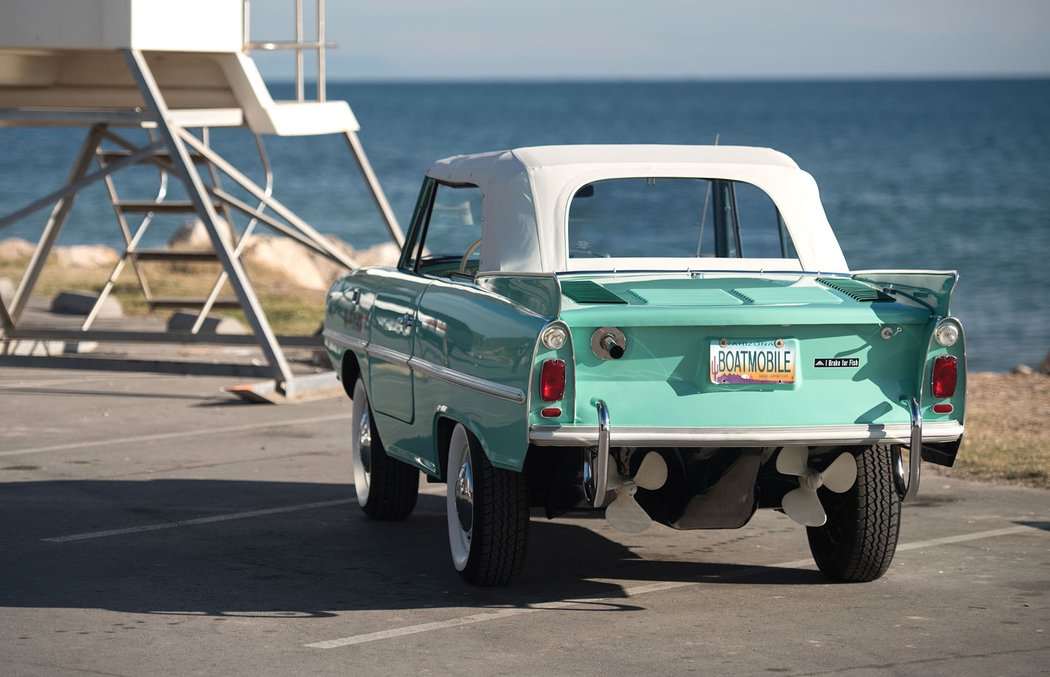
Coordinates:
54 225
198 195
373 186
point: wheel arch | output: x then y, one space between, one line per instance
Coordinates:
350 371
445 422
443 427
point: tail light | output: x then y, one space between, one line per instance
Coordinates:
945 376
552 380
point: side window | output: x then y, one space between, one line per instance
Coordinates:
452 229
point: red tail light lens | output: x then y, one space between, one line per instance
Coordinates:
945 376
552 380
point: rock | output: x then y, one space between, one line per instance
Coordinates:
191 235
1022 370
1044 366
7 291
385 254
86 256
15 250
79 303
183 322
288 258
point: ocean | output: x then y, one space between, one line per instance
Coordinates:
913 174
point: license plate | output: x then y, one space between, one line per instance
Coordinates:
742 361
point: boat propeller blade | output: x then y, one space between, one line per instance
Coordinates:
802 504
624 513
841 474
793 461
652 473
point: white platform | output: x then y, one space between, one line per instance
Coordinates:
162 25
66 55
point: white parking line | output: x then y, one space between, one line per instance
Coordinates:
174 435
199 520
42 383
499 614
962 538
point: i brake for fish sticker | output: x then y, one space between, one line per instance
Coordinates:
849 362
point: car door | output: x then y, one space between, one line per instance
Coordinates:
445 229
393 321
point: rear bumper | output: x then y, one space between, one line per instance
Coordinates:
763 436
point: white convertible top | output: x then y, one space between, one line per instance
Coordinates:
527 193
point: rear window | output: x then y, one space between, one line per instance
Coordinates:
675 218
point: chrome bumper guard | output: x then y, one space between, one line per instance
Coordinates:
596 461
909 490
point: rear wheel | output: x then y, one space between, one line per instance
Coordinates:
386 488
488 514
859 539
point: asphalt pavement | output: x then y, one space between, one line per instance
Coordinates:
154 525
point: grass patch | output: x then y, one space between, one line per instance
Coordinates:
290 309
1007 429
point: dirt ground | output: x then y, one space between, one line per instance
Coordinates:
1007 429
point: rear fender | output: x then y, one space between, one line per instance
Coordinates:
929 288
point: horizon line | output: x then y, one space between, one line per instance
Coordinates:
614 79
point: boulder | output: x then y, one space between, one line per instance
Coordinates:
15 250
1022 370
299 265
191 235
7 291
183 322
79 303
289 259
385 254
86 256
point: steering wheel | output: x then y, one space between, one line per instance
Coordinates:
466 256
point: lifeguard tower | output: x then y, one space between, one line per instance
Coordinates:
176 70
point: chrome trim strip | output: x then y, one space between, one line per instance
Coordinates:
764 436
387 355
460 379
437 371
341 339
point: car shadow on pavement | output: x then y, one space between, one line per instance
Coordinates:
133 555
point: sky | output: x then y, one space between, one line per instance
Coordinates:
668 39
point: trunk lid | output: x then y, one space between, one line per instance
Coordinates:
853 351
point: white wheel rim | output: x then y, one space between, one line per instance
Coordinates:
459 501
361 443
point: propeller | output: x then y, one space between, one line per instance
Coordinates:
802 504
624 513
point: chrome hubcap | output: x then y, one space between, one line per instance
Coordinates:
464 494
364 441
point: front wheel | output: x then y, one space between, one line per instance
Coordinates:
488 514
858 541
386 488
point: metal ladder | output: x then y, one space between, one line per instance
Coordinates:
299 45
134 255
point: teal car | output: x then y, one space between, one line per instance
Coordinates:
667 333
